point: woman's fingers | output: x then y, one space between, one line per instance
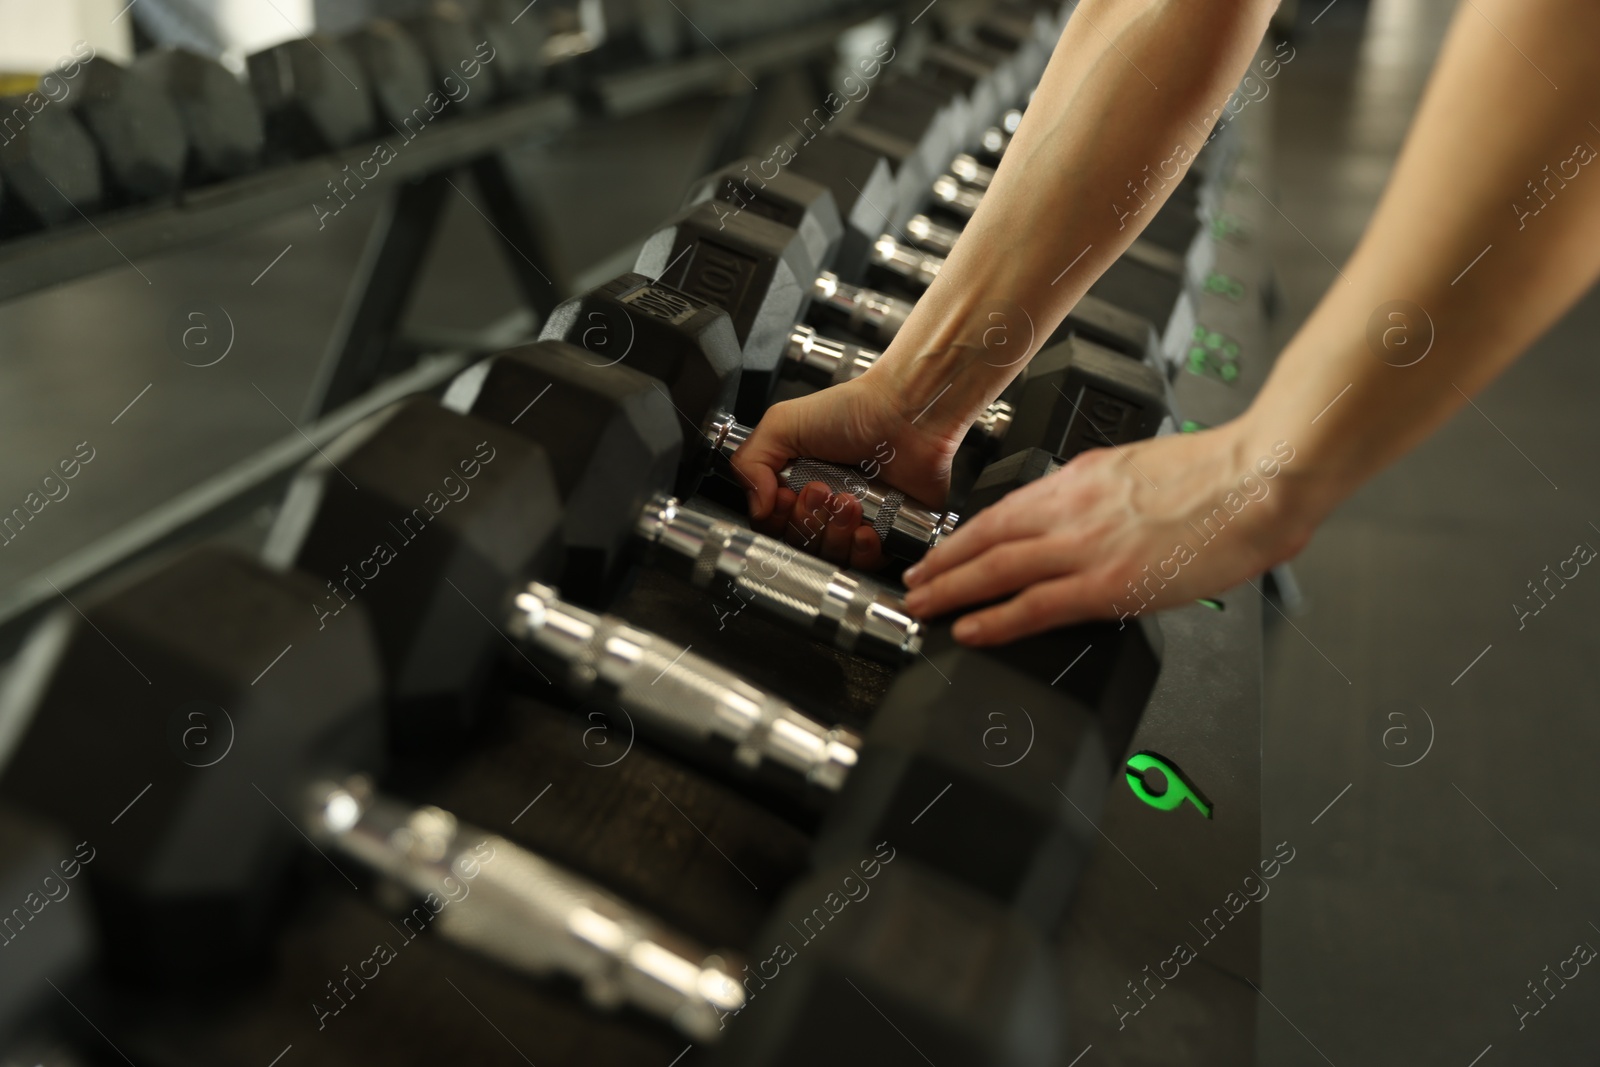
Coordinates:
757 462
776 521
844 516
1003 568
1008 520
1040 607
809 518
866 550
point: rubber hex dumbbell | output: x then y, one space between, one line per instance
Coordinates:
612 437
853 944
789 199
618 34
1026 762
518 34
48 935
627 664
644 322
1012 26
223 123
756 269
676 694
141 137
193 878
49 165
916 129
309 96
1016 829
394 70
459 51
425 541
748 243
967 64
453 514
1004 475
864 195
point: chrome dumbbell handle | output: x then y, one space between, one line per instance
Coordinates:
955 197
912 264
932 236
849 611
832 362
825 360
672 690
867 311
504 902
996 139
908 528
966 169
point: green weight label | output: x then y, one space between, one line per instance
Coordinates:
1213 355
1223 285
1226 227
1177 788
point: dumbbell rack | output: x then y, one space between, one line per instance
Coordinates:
1204 717
365 349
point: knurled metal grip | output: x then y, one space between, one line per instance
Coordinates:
511 905
867 311
907 528
802 472
671 690
850 612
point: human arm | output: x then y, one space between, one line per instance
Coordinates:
1085 542
1097 126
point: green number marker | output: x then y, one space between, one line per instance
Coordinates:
1178 789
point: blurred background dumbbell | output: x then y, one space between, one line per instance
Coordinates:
309 102
50 168
220 117
140 134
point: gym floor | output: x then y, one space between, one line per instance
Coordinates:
1426 898
1423 898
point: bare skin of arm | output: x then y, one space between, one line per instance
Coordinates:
1102 537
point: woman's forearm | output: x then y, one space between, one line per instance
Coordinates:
1130 87
1488 231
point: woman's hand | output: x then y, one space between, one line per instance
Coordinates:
1122 530
858 424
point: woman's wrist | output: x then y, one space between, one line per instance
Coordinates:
1307 483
